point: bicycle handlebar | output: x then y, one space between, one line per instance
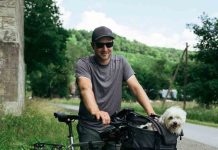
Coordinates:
117 119
119 124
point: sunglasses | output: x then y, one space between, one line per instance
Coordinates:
101 45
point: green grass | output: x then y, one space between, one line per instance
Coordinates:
71 101
210 124
195 113
36 124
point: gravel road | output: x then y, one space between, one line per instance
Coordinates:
196 137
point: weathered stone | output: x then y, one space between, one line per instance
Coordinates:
1 53
1 23
12 108
11 3
7 3
6 75
2 33
8 23
7 12
2 92
14 75
11 91
12 68
13 59
2 62
1 100
10 36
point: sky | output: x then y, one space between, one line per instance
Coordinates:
161 23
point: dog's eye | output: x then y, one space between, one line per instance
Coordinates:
170 118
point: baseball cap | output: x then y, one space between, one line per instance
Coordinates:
100 32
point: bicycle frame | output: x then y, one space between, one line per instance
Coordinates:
117 132
71 138
68 119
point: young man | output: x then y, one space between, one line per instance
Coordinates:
99 78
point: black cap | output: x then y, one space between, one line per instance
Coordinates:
101 32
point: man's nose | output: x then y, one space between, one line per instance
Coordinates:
104 47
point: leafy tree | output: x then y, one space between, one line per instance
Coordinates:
153 76
204 81
45 42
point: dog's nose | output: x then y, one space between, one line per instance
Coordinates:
174 123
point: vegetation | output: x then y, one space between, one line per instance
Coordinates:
51 53
37 124
204 74
47 68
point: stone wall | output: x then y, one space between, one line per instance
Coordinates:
11 56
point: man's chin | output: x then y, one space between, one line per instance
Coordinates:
105 57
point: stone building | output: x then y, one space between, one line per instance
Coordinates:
12 68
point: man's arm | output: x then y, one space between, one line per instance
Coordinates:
88 98
139 92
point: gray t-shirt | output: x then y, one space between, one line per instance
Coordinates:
106 83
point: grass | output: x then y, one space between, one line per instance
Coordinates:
195 113
36 124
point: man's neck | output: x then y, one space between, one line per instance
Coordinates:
102 62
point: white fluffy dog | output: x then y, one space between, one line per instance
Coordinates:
173 119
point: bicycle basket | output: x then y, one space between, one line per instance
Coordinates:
143 139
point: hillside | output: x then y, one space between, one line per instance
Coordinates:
81 39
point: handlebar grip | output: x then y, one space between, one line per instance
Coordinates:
154 116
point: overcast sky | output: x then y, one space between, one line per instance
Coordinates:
153 22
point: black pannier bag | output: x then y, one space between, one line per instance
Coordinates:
126 130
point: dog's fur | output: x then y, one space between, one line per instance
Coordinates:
173 119
147 126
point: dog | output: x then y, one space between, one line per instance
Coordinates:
173 119
148 126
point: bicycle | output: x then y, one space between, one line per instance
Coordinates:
124 129
69 119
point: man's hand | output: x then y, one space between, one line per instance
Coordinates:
104 116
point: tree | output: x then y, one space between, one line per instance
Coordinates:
154 78
204 81
44 53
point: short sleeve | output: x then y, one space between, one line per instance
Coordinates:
127 70
82 69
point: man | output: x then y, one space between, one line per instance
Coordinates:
99 78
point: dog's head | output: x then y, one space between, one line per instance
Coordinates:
173 118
